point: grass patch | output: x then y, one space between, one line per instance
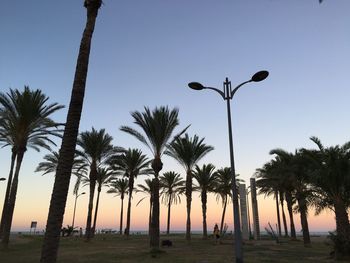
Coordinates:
113 248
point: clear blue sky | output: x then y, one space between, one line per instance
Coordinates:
145 53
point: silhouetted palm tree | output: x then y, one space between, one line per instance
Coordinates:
299 172
60 189
172 187
269 184
49 165
79 169
51 162
130 164
281 195
148 190
120 188
223 189
6 140
97 149
25 123
280 174
104 175
206 183
158 126
330 178
188 152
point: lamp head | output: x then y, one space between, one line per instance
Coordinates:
195 85
2 179
83 193
259 76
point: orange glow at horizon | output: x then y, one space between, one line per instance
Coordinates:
35 209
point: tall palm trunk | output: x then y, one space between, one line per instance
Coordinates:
223 215
93 173
7 194
204 213
342 226
157 166
150 215
188 204
283 215
121 215
128 215
168 221
12 199
278 215
65 162
96 210
290 212
303 221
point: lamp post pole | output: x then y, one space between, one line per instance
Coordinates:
75 206
227 94
235 203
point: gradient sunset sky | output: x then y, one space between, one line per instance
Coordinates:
145 52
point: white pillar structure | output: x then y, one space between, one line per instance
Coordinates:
255 209
243 206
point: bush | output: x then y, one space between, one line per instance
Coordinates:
340 245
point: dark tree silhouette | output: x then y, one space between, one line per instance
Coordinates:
65 163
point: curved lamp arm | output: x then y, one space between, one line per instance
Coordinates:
236 88
217 90
199 86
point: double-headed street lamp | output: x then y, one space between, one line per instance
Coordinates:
227 94
75 205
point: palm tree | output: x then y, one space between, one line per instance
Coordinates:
269 184
223 189
172 187
119 187
206 183
130 164
97 149
299 173
147 189
282 194
79 169
277 175
6 140
25 123
103 178
158 126
330 178
290 202
61 185
49 165
51 162
286 187
188 152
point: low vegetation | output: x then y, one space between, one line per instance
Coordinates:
116 248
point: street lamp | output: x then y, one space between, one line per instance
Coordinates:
75 205
227 94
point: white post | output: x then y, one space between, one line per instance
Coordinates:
255 209
243 206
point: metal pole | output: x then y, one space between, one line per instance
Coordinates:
75 205
237 224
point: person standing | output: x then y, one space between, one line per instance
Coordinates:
216 233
